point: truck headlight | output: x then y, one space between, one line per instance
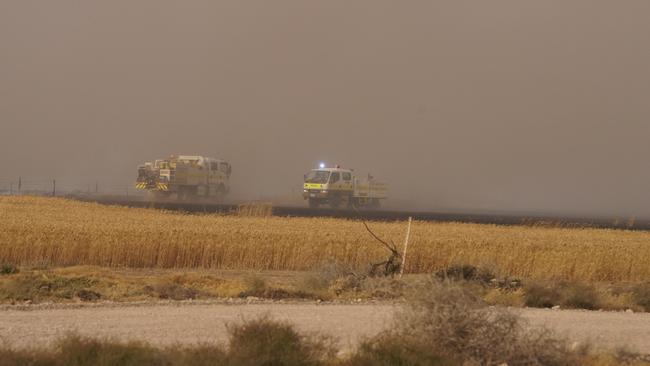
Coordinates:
323 191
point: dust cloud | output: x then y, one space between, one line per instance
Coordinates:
531 106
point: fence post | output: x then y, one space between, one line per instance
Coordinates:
11 188
53 187
20 184
96 187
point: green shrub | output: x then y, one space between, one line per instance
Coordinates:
449 321
254 284
466 272
392 351
565 294
641 295
330 279
88 295
38 287
172 291
579 296
263 341
78 351
257 287
540 296
7 269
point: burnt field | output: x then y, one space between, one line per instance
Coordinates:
603 222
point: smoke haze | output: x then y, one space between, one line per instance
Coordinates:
536 106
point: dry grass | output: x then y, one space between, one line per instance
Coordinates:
58 232
73 284
442 324
254 209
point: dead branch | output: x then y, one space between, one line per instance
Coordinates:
393 264
392 249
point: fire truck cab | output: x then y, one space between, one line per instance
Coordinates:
340 187
186 176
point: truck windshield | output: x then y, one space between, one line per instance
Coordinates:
317 176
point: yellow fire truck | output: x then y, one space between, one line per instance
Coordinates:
185 176
340 187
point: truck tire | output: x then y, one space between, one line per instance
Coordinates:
374 203
186 193
335 202
350 202
221 191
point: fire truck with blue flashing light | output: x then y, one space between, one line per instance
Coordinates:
186 177
339 187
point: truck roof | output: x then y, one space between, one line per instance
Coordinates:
333 169
197 158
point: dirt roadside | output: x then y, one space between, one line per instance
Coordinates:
165 324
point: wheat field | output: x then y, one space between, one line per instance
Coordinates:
37 231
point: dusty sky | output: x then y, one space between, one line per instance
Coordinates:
537 106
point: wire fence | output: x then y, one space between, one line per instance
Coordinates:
64 187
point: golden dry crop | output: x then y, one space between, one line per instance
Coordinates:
59 232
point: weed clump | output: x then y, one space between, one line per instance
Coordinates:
330 279
580 296
265 341
541 296
8 269
389 351
261 341
257 287
466 272
88 295
44 286
565 294
641 295
447 322
172 291
75 350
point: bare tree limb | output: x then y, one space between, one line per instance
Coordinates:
392 249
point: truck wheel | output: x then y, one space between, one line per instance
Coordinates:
350 201
221 191
374 203
335 202
181 195
313 203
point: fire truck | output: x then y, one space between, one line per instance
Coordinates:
340 187
185 176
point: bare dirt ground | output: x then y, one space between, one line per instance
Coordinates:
165 324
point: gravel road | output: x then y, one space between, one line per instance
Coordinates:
165 324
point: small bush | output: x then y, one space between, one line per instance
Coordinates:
38 287
539 296
498 296
254 284
450 321
580 296
565 294
264 341
392 351
88 295
384 287
329 279
7 269
78 351
257 287
261 341
172 291
466 272
641 295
